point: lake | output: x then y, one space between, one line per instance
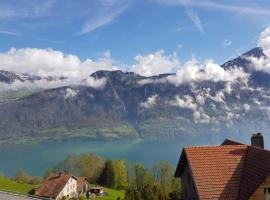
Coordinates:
35 159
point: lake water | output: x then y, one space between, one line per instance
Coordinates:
36 159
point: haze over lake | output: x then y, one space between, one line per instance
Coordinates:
37 158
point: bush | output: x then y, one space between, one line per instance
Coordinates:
23 177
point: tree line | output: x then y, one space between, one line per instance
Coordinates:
139 182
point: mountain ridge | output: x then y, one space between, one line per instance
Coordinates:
130 106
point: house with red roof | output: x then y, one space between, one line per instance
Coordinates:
231 171
59 185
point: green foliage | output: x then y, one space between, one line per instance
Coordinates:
113 194
114 175
120 169
15 94
88 165
12 185
157 183
107 177
139 182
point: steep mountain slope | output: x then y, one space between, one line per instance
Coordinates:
15 85
133 106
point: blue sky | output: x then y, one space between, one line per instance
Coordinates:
127 28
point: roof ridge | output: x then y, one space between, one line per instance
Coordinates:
255 147
215 146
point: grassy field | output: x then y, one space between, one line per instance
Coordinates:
8 184
112 194
11 185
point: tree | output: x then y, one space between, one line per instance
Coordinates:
132 194
88 165
22 177
158 183
107 176
120 171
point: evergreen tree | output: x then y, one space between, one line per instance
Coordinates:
107 177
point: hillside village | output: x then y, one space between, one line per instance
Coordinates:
229 171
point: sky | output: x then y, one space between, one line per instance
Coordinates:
133 34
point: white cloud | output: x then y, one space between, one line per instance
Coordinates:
246 107
195 18
264 41
193 71
154 64
95 83
262 63
29 9
219 97
202 95
70 93
145 81
110 10
96 23
179 46
214 5
201 117
150 102
184 102
49 62
35 86
227 43
9 33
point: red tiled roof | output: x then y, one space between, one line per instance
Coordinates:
53 185
257 168
217 170
227 172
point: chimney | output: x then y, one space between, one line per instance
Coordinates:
257 140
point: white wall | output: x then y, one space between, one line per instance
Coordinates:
70 189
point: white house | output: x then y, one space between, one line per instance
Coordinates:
60 185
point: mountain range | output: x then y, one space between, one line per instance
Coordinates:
125 105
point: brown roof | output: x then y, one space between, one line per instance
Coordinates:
228 172
53 185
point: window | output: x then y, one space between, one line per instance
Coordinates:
266 193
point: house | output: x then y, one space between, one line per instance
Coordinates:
231 171
82 185
57 186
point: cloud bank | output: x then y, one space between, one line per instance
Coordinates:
262 63
49 62
156 63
